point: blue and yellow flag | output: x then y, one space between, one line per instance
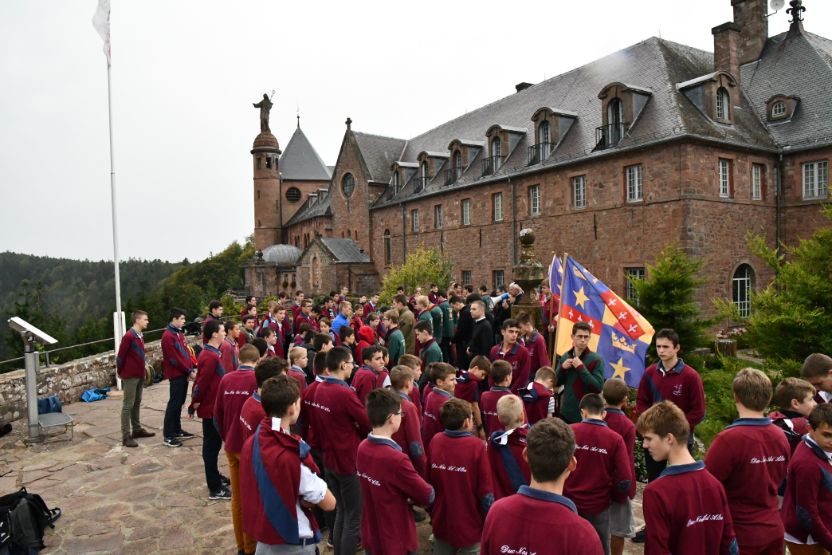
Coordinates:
619 333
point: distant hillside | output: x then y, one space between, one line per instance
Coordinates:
63 296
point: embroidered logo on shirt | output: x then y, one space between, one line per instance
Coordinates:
516 550
450 468
369 479
591 449
677 390
771 459
705 518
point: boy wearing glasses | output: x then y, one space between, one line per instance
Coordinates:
388 481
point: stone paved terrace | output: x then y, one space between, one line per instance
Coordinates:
151 499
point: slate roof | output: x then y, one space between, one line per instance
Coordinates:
300 161
379 154
345 250
794 64
311 209
282 255
653 65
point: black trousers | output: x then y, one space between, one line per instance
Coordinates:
211 445
173 412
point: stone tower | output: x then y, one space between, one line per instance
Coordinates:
268 224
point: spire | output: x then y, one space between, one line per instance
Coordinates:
349 124
298 116
796 12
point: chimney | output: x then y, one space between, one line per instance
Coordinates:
750 15
726 48
522 86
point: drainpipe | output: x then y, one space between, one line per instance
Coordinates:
778 202
513 222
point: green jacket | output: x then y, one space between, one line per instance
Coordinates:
447 322
430 354
395 346
576 383
436 314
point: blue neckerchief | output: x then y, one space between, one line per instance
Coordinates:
682 468
765 421
535 493
594 422
379 440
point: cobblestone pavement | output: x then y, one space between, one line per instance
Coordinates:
150 499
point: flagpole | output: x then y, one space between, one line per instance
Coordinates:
560 311
551 299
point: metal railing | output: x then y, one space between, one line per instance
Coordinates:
492 164
452 175
539 152
609 135
420 182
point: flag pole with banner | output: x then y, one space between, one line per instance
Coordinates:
101 22
620 335
556 284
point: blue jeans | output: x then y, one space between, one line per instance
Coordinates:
173 412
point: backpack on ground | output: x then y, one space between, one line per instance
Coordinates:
23 519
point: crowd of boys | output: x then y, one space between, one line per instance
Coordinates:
339 420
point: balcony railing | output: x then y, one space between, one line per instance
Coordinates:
420 182
492 164
539 152
609 135
452 175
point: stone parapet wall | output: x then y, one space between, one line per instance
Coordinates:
67 381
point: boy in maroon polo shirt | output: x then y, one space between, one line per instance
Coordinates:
622 525
340 422
279 479
807 504
686 509
459 469
409 435
538 518
795 399
501 376
252 412
372 374
505 448
178 368
234 390
603 475
468 388
298 360
673 380
817 370
229 351
415 365
534 343
444 380
539 395
130 368
203 399
514 353
750 458
388 482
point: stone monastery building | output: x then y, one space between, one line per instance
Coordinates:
653 144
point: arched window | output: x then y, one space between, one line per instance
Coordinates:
423 170
496 152
615 121
395 181
778 110
722 103
741 286
388 248
543 132
457 164
348 185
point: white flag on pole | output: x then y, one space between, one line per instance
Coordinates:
101 22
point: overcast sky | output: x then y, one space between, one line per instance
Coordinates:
185 74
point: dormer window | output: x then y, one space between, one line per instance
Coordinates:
502 141
615 121
723 102
543 132
395 182
778 110
424 175
551 126
781 108
621 106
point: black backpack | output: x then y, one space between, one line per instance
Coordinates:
23 518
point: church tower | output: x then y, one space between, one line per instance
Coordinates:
265 154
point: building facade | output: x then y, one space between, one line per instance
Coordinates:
658 143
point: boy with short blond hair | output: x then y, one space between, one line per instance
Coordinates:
505 448
750 457
408 436
298 360
622 524
415 365
458 468
807 503
795 399
539 395
685 508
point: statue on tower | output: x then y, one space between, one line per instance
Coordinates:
265 106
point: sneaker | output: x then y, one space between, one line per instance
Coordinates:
641 536
172 442
225 480
182 435
222 493
141 432
128 441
